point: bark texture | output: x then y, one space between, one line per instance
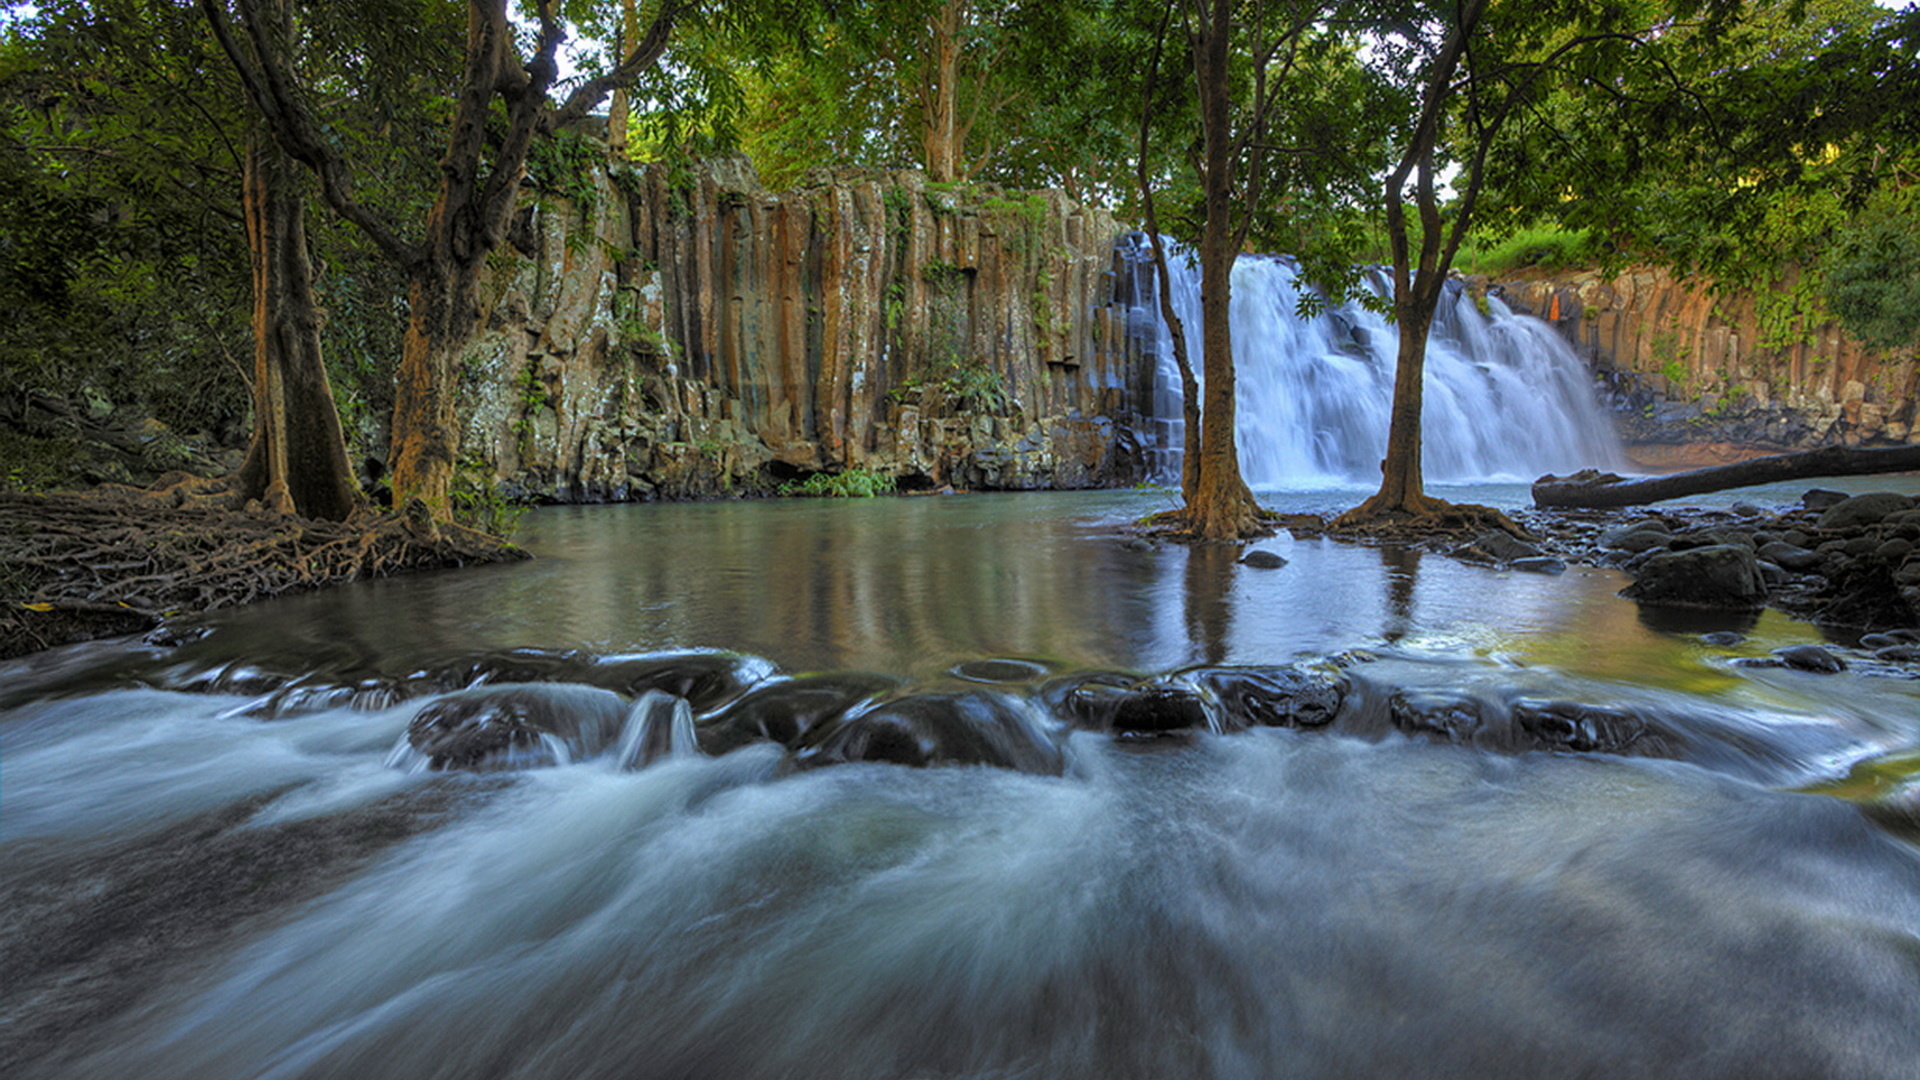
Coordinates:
1598 489
297 461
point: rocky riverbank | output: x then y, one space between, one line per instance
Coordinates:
1848 563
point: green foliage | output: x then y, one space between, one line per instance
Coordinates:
1539 247
35 464
1873 273
962 385
854 483
479 503
943 276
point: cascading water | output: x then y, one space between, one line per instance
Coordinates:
1506 399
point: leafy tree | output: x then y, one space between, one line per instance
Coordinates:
125 104
1283 133
500 108
116 186
1472 70
1796 116
1873 274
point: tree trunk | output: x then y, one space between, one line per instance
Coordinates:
620 109
297 461
1402 478
1221 506
940 93
444 311
1593 489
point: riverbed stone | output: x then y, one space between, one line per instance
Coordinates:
1576 727
1861 510
1790 556
1270 696
1810 658
1822 498
1498 545
1261 559
502 727
1637 537
1540 564
973 727
1436 714
781 711
1718 576
1157 708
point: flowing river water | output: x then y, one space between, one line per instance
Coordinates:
221 860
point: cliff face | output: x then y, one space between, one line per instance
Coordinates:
1690 366
672 335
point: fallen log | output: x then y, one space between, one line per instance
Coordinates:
1591 488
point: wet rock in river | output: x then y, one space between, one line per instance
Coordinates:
707 680
1790 556
516 726
975 727
1810 658
1261 559
999 671
1821 498
1861 510
1447 717
1540 564
1155 708
1637 537
1717 576
1270 696
1565 725
1497 545
782 711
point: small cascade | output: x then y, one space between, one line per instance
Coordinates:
658 726
1506 398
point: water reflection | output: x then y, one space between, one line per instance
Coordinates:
913 586
1403 574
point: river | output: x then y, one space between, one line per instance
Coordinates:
205 874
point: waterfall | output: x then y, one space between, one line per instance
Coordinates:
1506 398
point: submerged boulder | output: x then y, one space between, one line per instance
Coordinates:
1271 696
782 711
707 680
1439 715
516 726
1581 728
971 727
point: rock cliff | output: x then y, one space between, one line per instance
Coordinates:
675 333
1691 366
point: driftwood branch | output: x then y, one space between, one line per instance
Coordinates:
1601 489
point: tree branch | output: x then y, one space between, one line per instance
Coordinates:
271 91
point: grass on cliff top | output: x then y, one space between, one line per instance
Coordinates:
1535 247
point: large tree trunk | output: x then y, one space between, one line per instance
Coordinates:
1402 476
1220 507
297 462
1596 489
620 109
940 93
444 311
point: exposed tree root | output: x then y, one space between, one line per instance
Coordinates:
118 560
1179 527
1421 518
